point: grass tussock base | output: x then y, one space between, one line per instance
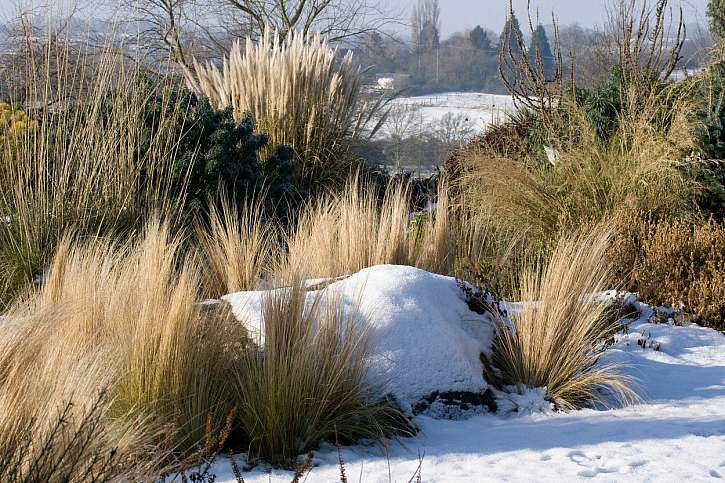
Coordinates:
558 338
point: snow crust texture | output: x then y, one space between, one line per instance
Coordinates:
423 336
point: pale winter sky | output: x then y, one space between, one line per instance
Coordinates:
457 15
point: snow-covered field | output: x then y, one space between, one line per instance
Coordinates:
676 434
476 109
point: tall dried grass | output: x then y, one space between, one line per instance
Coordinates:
557 341
131 315
299 93
240 246
484 257
307 384
39 375
78 446
88 164
590 180
55 412
343 233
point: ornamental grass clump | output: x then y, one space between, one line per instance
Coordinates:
343 233
76 446
126 319
88 163
558 339
306 382
300 93
590 179
56 411
240 245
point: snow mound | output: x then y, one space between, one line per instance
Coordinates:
423 336
676 434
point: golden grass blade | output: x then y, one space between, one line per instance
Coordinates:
239 245
558 339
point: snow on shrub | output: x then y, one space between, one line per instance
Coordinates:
423 337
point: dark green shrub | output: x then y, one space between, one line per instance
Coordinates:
216 153
716 12
709 92
604 106
709 98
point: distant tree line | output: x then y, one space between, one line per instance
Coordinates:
469 60
184 30
465 61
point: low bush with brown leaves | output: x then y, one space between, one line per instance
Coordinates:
682 262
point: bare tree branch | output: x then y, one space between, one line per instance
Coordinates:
205 28
526 79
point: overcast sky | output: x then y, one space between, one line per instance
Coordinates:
457 15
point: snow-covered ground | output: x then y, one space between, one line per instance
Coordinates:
476 109
676 434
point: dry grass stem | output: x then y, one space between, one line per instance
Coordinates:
558 339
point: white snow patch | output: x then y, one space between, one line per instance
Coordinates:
551 155
423 336
523 401
440 409
478 108
676 434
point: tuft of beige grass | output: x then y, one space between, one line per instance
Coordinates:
307 384
299 93
436 236
341 234
239 245
55 410
557 341
131 315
